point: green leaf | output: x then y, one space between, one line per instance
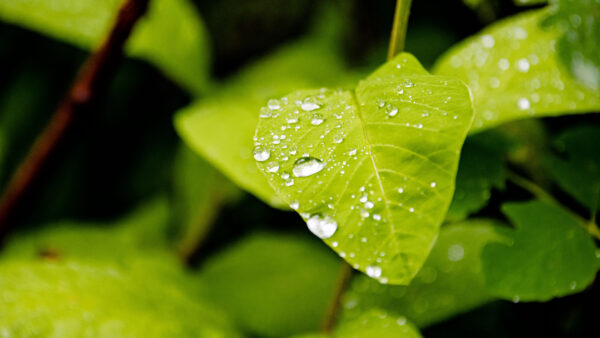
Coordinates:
74 299
372 170
235 106
576 168
480 169
377 323
199 192
450 282
273 285
549 255
514 72
578 47
171 35
373 323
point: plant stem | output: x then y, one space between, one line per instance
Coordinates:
398 36
92 79
336 301
530 186
539 192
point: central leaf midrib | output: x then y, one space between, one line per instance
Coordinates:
372 157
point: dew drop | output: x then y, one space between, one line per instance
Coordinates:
261 154
377 217
323 226
264 113
352 152
456 252
307 166
488 41
523 65
373 271
432 184
273 166
317 119
295 205
309 104
338 139
391 110
524 104
273 104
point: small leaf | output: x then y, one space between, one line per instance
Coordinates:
171 35
514 72
377 323
549 255
235 107
480 169
576 168
273 285
372 170
450 282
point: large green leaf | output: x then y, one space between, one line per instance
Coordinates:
449 283
514 72
578 170
273 285
370 170
234 108
74 299
548 255
171 35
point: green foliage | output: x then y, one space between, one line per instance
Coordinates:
74 299
273 285
548 255
309 62
576 168
73 280
514 72
578 47
449 283
377 323
373 185
171 35
480 169
199 192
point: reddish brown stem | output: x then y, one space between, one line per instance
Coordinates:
91 81
332 312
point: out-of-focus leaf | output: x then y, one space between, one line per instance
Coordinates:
74 299
548 255
514 72
221 127
576 168
171 35
449 283
579 45
377 323
370 170
273 285
480 169
373 323
199 192
145 229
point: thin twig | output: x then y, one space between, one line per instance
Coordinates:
91 81
398 36
342 281
540 193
